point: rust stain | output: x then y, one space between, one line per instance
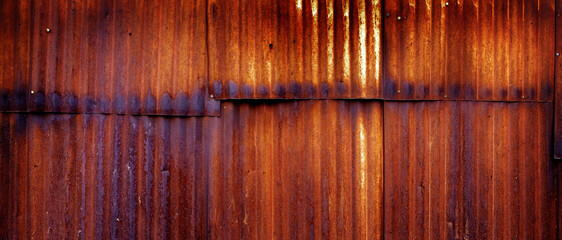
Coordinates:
309 49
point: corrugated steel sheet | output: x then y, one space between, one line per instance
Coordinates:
298 170
297 49
474 170
470 50
273 171
104 176
126 57
14 60
558 85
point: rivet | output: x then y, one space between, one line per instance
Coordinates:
557 54
445 95
211 96
48 30
447 4
399 18
32 92
522 96
398 91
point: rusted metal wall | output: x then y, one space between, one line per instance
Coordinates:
126 57
105 176
273 170
469 170
471 50
298 170
278 168
295 49
310 169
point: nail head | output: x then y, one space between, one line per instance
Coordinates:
447 4
211 96
32 92
398 91
522 96
445 95
399 18
48 30
557 54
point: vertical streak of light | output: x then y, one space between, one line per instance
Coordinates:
330 47
299 4
252 70
270 55
346 63
362 46
363 166
314 39
376 38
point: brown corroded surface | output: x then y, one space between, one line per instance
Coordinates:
125 57
469 170
298 170
469 50
303 49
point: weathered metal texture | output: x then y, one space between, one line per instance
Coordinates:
476 170
273 170
297 49
499 50
105 176
14 57
558 85
298 170
126 57
13 175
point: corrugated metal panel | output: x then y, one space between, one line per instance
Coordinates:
472 50
106 176
469 170
295 49
132 57
298 170
273 171
558 85
14 61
